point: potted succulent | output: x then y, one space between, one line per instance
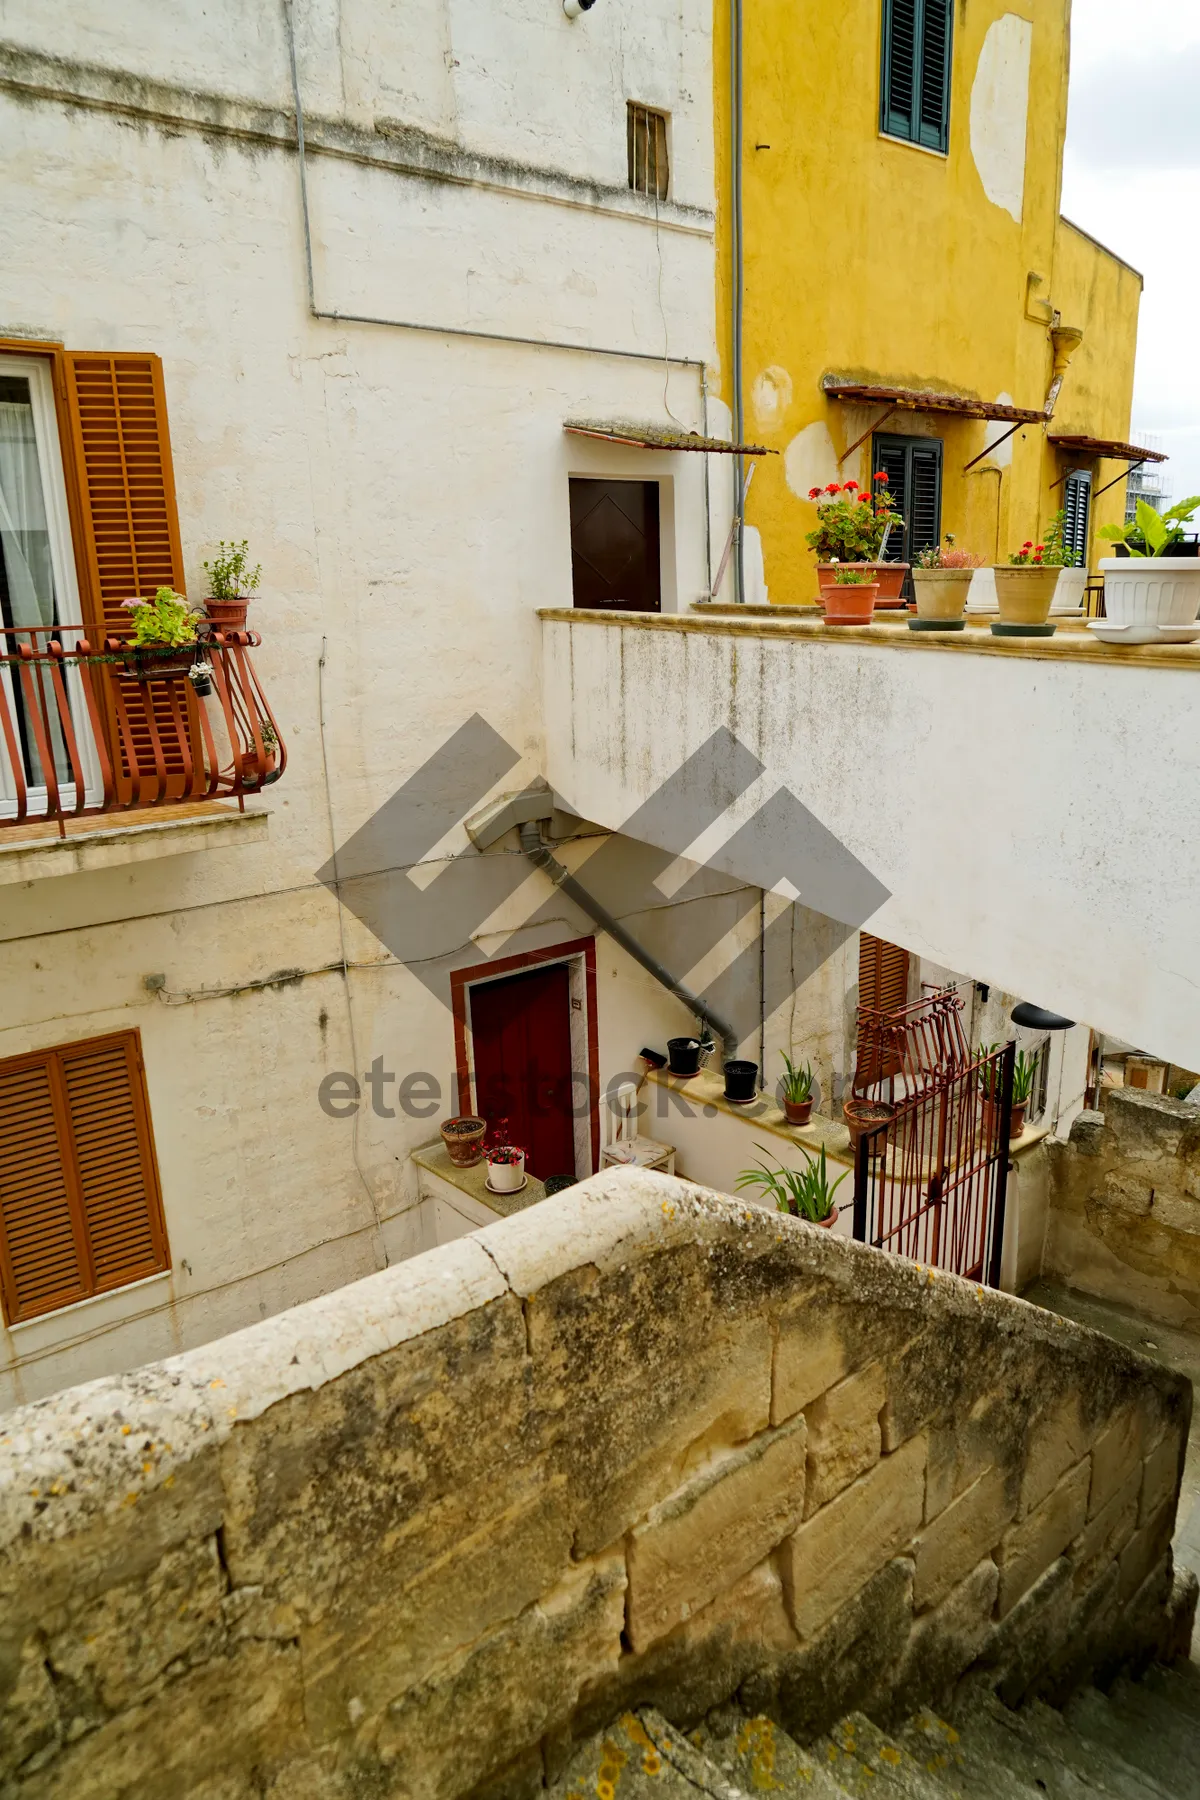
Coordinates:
1025 588
463 1138
852 527
796 1092
941 582
506 1168
1025 1070
1165 593
805 1193
232 581
851 599
164 643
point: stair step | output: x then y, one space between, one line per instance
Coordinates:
1177 1683
1137 1743
1176 1731
1034 1762
864 1760
964 1764
642 1757
1045 1731
760 1757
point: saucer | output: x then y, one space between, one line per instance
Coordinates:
1108 633
491 1190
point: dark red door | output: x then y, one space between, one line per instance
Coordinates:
615 545
521 1027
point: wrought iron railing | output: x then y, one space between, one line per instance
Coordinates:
90 726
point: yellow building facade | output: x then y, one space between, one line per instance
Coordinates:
879 261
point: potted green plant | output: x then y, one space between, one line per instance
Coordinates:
164 645
1025 1070
1167 593
796 1091
853 524
851 599
941 582
1025 589
232 581
805 1193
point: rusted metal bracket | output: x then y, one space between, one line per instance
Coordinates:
869 432
991 447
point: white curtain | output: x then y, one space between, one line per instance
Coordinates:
24 533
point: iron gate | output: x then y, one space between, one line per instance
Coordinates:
930 1182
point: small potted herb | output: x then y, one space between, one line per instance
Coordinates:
463 1138
1167 593
506 1168
853 525
805 1193
1025 1070
164 643
796 1092
941 583
232 581
851 599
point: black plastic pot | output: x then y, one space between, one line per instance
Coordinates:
740 1081
684 1055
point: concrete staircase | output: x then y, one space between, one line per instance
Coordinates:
1140 1741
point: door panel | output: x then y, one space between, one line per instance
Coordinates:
615 545
521 1028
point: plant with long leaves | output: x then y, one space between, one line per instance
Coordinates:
797 1081
806 1193
1025 1070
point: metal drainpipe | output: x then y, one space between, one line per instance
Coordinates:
537 852
735 123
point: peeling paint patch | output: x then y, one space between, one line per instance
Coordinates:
1000 112
810 460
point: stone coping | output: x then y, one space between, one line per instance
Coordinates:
1073 643
33 851
707 1090
436 1158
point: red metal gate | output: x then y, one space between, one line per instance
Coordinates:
930 1183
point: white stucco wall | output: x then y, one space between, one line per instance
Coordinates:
1037 824
407 495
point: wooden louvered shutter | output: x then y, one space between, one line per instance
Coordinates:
890 456
122 453
924 510
80 1209
899 66
882 987
915 84
933 117
1077 503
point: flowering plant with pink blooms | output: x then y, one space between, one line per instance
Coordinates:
852 521
167 620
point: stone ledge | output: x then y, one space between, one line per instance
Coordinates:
33 852
435 1160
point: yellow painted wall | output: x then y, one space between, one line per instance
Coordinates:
874 259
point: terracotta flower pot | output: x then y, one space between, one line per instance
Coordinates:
797 1112
1017 1124
889 575
1024 592
828 1223
463 1138
862 1116
226 615
845 605
941 593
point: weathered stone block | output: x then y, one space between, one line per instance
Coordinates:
1116 1455
1125 1193
1087 1133
1057 1440
485 1706
29 1717
836 1552
852 1658
991 1435
1148 1127
1160 1480
843 1434
1107 1532
714 1530
386 1631
1027 1638
1146 1549
961 1536
1176 1212
945 1641
1028 1548
812 1352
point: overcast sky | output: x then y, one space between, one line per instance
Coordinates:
1132 179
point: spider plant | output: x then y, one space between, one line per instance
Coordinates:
805 1193
797 1081
989 1074
1025 1070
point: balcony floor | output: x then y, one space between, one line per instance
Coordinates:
32 852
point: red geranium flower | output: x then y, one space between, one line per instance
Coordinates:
815 493
852 487
881 475
1028 544
833 488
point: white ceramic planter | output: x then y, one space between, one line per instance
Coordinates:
1151 590
506 1178
1068 595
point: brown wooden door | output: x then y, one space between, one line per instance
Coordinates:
615 545
522 1036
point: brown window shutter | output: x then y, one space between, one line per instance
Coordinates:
80 1208
121 448
882 987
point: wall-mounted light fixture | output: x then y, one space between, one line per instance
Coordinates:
573 8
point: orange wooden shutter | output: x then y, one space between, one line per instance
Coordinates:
122 453
80 1209
882 987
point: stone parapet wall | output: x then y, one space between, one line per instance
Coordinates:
640 1442
1124 1218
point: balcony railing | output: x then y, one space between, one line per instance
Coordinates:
89 728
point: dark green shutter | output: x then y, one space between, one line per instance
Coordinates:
915 88
1077 505
914 470
890 456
